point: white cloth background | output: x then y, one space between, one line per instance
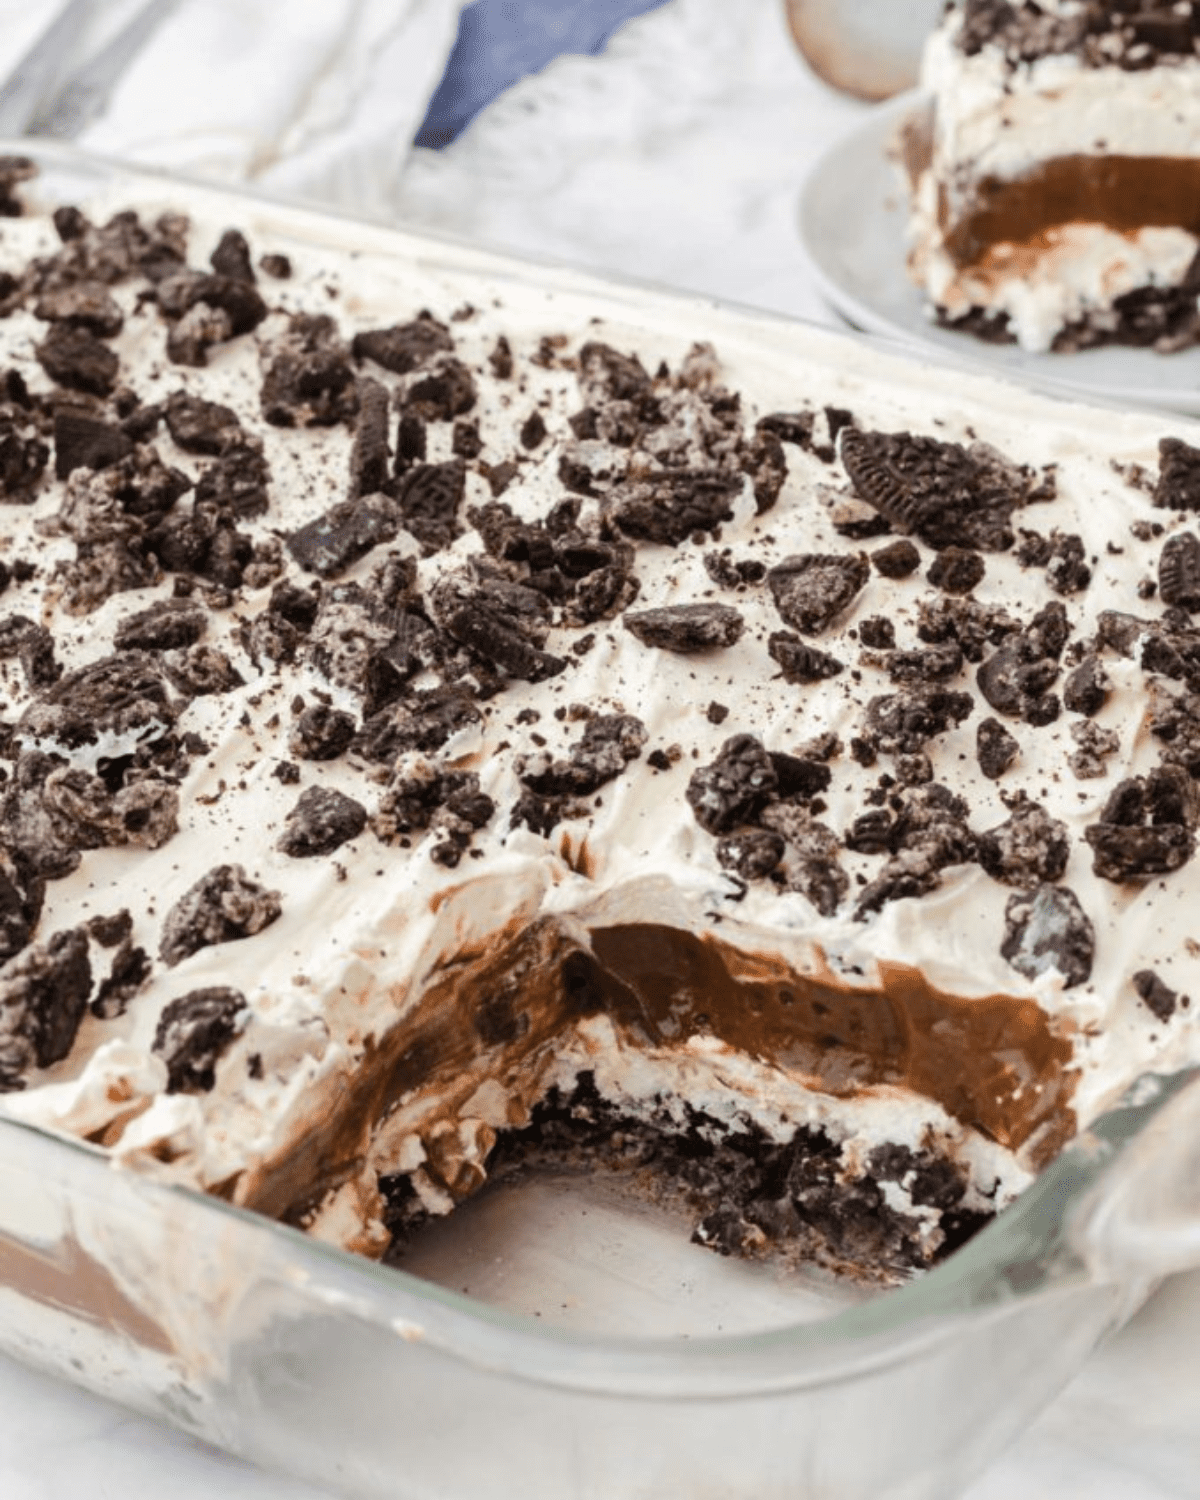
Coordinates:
677 156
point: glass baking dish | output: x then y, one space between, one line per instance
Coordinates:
372 1381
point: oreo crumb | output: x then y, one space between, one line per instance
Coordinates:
1157 997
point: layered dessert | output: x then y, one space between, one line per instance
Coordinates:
1056 174
458 719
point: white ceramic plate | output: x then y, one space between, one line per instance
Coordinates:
852 222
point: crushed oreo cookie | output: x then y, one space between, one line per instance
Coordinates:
686 628
811 590
1046 929
321 821
44 992
1146 827
193 1033
946 494
221 907
1027 850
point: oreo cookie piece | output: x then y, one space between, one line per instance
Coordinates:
1095 747
193 1032
898 559
1027 850
222 907
82 441
77 359
1179 571
1178 486
686 628
801 663
346 532
232 257
1067 572
1145 827
405 346
608 744
322 820
370 457
902 723
956 570
200 426
165 625
735 787
671 506
751 854
429 497
308 380
1086 688
21 894
444 390
124 697
44 993
501 623
321 733
1157 997
85 305
811 590
1046 929
1016 679
928 834
944 493
424 720
928 664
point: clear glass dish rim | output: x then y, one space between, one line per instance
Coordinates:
1026 1251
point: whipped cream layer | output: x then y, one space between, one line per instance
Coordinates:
996 228
359 1051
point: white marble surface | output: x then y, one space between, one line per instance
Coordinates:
677 157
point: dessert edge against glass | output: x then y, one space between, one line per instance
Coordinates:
1056 177
513 725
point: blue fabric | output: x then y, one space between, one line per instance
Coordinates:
502 41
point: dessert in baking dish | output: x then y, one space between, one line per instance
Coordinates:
454 721
1056 176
